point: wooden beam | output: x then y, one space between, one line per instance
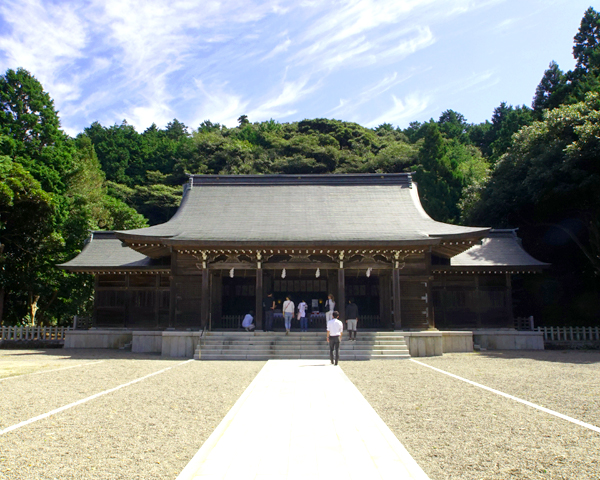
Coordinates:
509 302
258 317
205 298
396 297
341 304
173 289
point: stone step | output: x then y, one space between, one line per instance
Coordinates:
237 356
263 341
313 333
299 345
304 350
319 348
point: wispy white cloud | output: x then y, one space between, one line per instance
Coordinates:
401 110
217 105
287 93
151 61
282 47
45 39
348 107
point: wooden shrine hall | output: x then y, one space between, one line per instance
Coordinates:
234 239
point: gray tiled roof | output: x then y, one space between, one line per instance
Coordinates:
291 209
501 248
104 250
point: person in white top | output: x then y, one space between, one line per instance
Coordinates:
288 313
334 337
247 322
329 307
302 306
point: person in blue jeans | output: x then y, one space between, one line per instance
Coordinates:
288 313
302 306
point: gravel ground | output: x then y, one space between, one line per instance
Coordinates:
150 429
458 431
23 362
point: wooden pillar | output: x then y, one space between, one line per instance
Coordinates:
95 312
478 301
258 317
156 299
396 297
173 291
216 304
428 299
341 303
128 301
385 301
205 297
509 304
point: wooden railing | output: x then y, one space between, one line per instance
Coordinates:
231 321
316 321
369 321
524 323
570 334
47 334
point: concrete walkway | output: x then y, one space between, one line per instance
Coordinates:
302 419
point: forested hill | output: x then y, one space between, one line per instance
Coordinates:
536 168
147 169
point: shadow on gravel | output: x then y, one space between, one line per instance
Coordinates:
87 354
555 356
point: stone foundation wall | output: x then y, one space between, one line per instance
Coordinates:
147 342
97 338
492 339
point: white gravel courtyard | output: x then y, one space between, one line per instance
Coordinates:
154 413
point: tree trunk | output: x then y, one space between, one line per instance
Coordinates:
33 308
42 311
1 303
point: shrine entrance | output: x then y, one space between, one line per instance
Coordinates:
365 292
232 297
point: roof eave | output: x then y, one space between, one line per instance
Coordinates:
513 269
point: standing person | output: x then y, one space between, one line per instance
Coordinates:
351 319
247 321
334 337
288 313
269 306
302 306
329 307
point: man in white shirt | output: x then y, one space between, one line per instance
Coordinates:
288 314
334 337
247 322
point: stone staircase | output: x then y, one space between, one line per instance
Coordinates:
296 345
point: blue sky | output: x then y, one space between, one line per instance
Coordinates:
366 61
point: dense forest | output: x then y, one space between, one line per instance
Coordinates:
533 168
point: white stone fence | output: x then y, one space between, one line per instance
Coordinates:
33 333
570 334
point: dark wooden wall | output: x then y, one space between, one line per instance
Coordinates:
472 301
132 301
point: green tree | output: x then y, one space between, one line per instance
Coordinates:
30 239
551 175
551 91
32 132
587 41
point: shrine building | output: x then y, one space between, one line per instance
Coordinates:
364 237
